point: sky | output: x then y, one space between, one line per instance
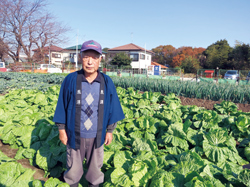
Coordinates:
151 23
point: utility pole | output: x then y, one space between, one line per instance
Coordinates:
145 60
77 50
49 50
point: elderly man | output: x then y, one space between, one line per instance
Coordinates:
87 111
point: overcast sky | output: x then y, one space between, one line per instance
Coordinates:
149 23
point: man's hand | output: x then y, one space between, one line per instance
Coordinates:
63 136
108 138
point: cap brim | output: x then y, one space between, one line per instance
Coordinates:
94 49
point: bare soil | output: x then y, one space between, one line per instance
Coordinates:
209 104
7 150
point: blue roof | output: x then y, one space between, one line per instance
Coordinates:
74 47
79 48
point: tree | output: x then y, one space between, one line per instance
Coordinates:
121 59
25 25
104 61
217 55
190 65
164 54
177 60
3 46
188 59
3 49
240 57
105 49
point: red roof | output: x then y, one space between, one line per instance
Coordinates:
51 48
129 47
157 64
209 71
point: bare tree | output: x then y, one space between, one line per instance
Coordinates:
25 25
3 46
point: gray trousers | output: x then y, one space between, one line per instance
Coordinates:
94 161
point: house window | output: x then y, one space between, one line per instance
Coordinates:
135 57
55 55
142 56
72 55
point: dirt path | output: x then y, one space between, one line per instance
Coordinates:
7 150
209 104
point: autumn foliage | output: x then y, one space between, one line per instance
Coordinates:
167 54
177 60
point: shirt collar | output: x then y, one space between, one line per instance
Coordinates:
97 79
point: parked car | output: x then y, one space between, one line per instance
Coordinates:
232 74
248 76
50 68
2 67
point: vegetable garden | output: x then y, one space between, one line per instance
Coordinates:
201 90
159 143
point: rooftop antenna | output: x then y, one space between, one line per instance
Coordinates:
131 37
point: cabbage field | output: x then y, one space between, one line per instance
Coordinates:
160 142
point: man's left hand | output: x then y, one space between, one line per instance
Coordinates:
108 138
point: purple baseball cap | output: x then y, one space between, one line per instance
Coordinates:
91 45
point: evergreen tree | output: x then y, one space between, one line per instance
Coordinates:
217 55
121 59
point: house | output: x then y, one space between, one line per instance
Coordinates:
156 68
58 55
69 53
22 58
141 58
54 53
157 64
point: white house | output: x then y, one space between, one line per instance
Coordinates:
54 53
69 54
141 58
58 55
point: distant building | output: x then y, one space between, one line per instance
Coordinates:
157 64
58 55
54 53
141 58
69 53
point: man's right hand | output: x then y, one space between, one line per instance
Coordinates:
63 136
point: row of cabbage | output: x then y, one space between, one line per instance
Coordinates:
159 143
201 90
14 174
15 80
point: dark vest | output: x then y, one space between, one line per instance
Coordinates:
78 110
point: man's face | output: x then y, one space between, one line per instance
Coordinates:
90 61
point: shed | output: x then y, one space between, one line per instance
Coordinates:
209 73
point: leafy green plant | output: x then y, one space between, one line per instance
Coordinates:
220 147
159 143
226 107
